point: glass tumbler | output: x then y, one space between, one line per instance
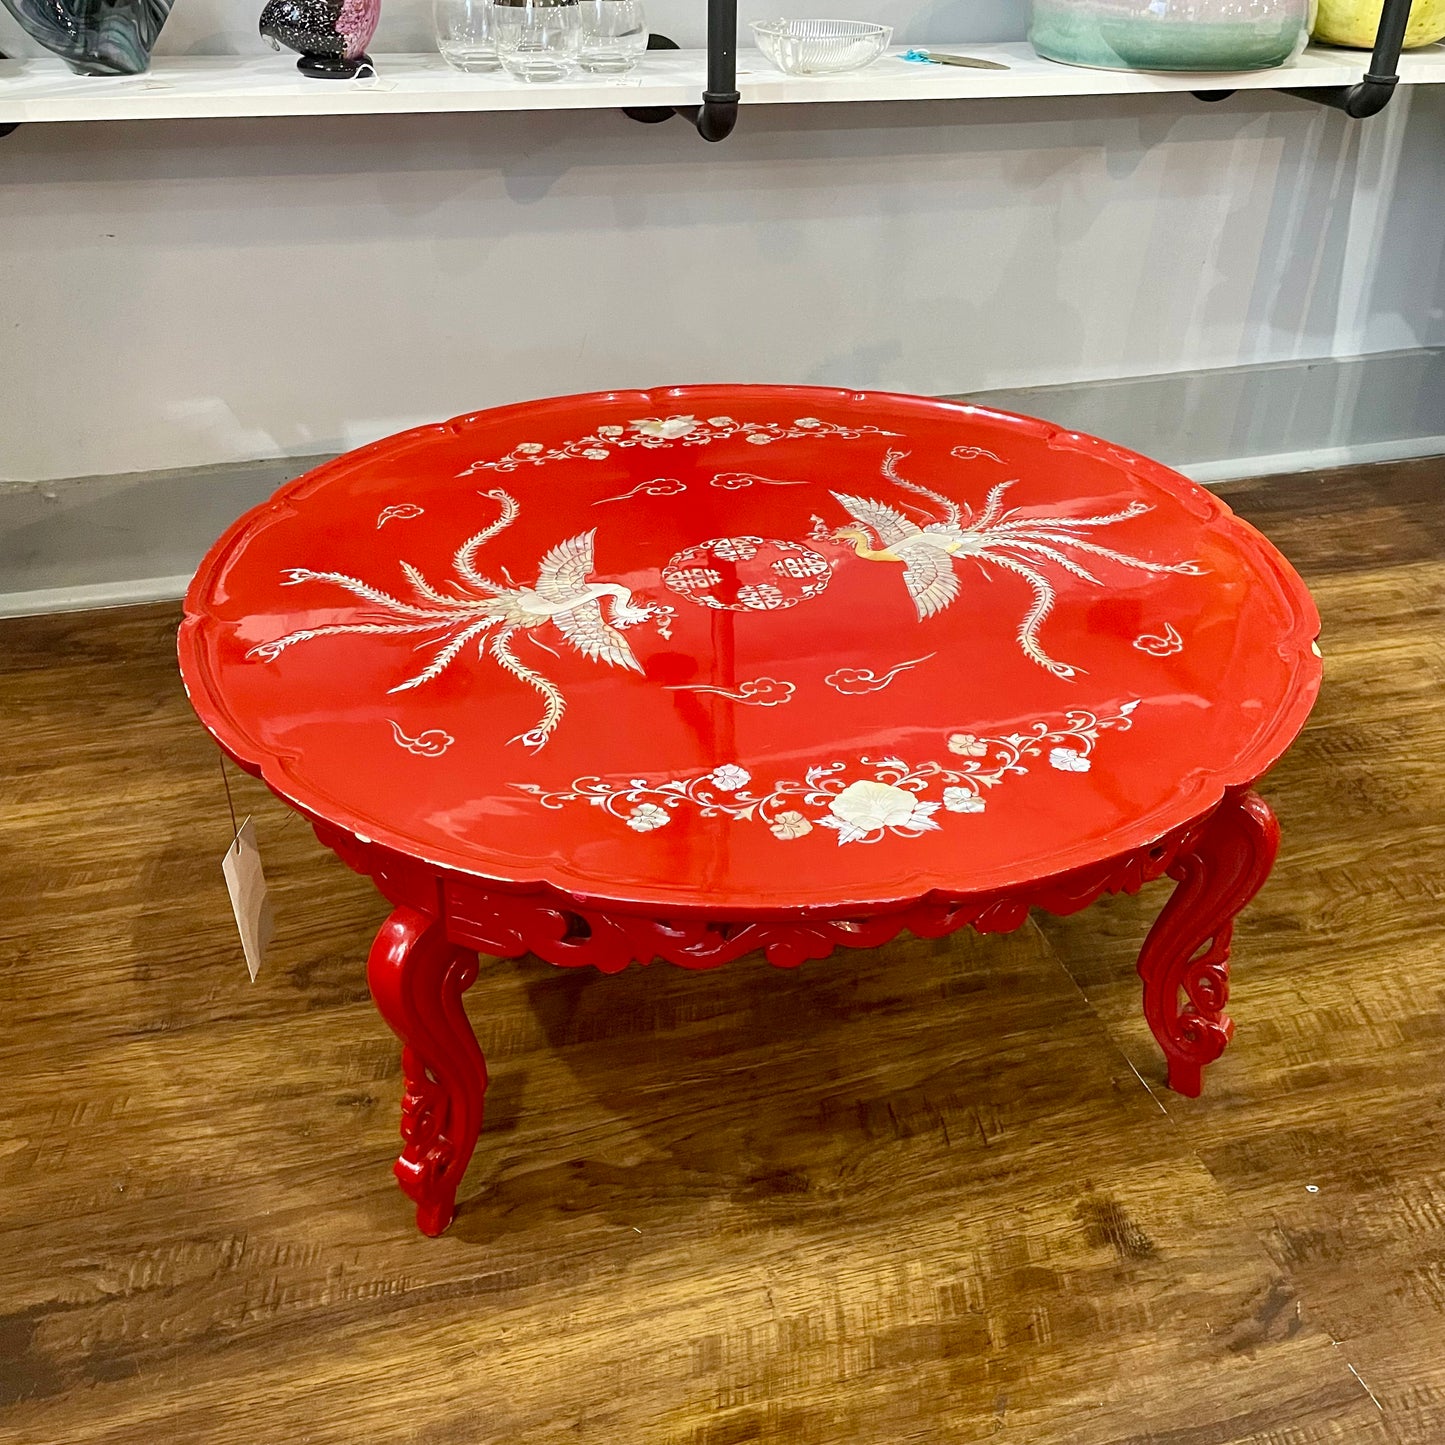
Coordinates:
536 39
613 35
464 34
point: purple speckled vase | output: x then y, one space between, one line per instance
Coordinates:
331 36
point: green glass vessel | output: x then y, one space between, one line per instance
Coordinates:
95 37
1218 35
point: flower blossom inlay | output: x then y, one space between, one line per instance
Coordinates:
665 428
967 746
647 816
960 800
868 808
789 825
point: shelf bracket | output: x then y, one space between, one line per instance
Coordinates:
718 113
7 126
1372 94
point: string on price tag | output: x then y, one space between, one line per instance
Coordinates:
246 883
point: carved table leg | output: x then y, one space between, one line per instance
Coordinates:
1185 959
417 978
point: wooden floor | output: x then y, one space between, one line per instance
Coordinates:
919 1195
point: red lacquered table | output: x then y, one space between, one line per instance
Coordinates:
695 673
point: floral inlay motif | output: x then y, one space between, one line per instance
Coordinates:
564 597
667 431
967 746
997 537
860 802
1164 644
647 816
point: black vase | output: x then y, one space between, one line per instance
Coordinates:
96 37
330 35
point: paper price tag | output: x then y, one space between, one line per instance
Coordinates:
246 884
367 79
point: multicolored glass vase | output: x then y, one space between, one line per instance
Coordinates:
331 36
1170 34
95 37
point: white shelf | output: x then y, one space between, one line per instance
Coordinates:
191 87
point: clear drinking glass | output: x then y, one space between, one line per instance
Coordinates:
464 34
614 34
536 39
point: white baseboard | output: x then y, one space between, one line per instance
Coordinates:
1237 421
119 540
42 600
1320 459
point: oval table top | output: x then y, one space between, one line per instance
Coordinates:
750 650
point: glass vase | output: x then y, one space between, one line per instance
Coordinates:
330 36
95 37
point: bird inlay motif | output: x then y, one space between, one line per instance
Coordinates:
493 614
1027 546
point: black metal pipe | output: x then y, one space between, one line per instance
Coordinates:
1373 93
719 113
6 127
653 114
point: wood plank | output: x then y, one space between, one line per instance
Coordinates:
1323 1121
915 1195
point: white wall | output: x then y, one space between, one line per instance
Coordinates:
187 293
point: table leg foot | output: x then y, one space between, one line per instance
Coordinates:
417 977
1185 959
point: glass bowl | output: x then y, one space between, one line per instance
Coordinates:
1171 34
821 47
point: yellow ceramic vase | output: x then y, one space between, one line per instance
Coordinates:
1354 22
